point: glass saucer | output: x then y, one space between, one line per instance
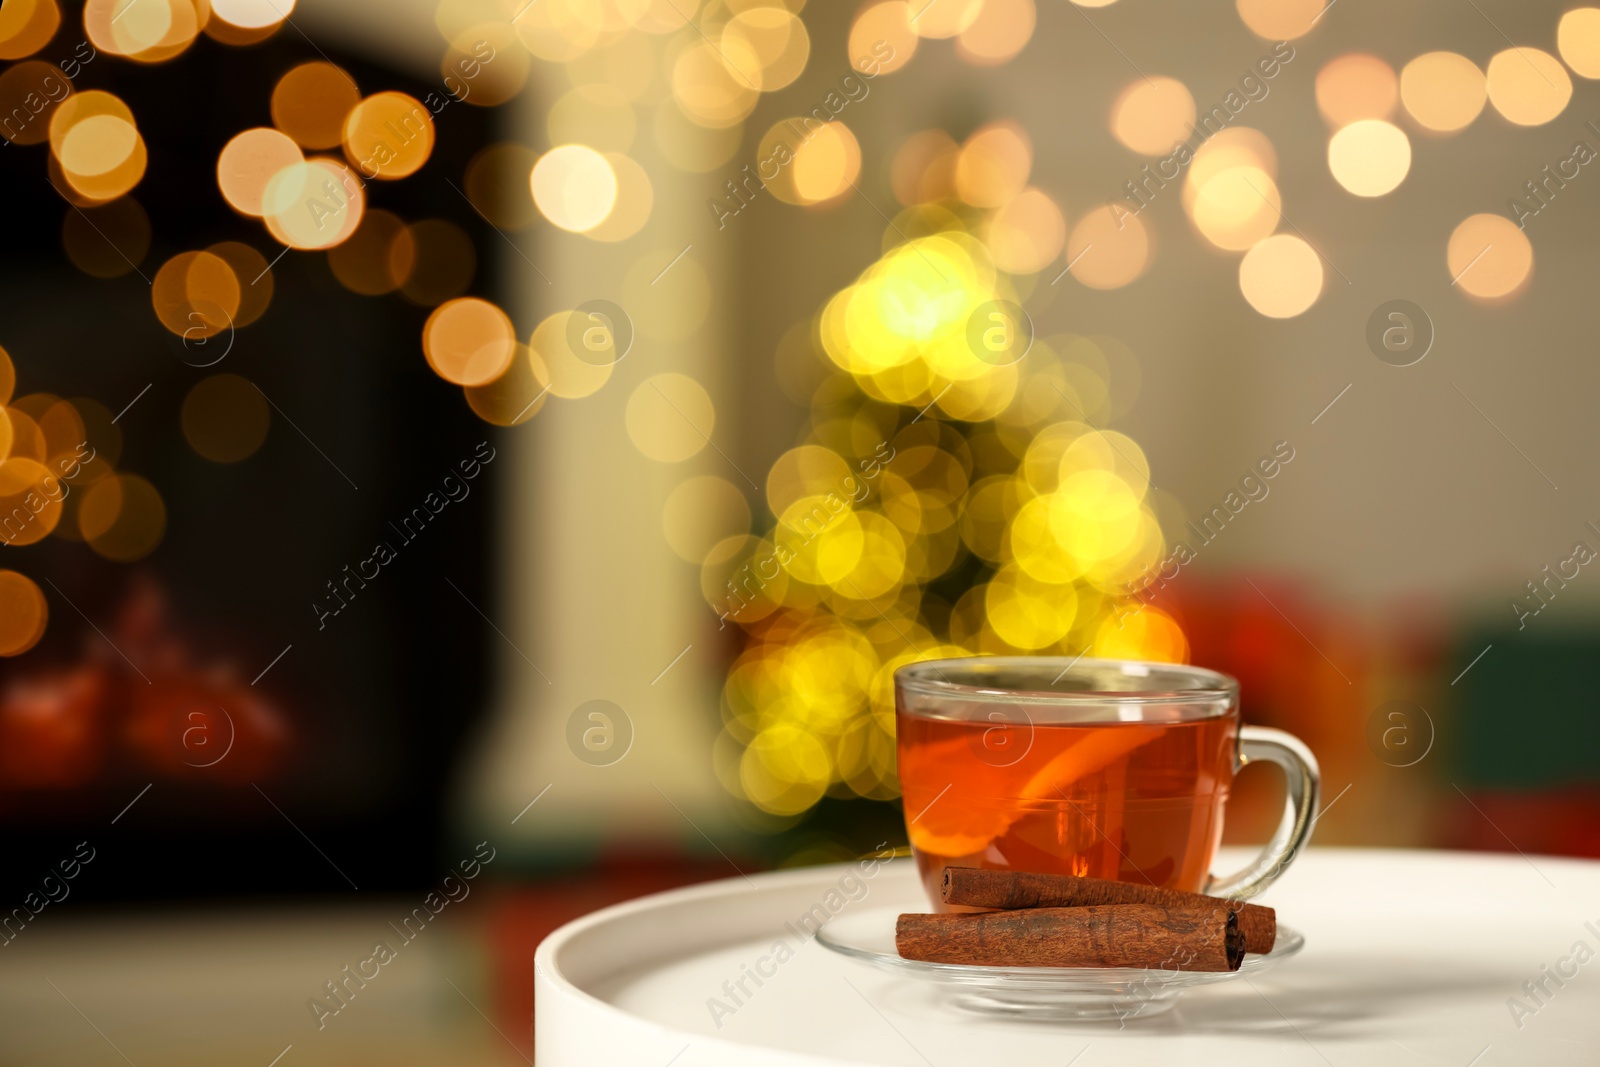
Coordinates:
1042 992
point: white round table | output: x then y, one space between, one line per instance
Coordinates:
1411 957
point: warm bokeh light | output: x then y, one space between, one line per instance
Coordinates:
670 417
635 199
122 517
924 167
1108 248
469 341
1281 276
1578 40
708 90
107 241
1280 20
1355 87
1152 115
1528 86
225 418
882 38
497 184
701 512
27 26
1488 256
313 205
24 612
30 92
993 164
249 161
571 376
827 165
388 136
1234 208
767 45
254 276
946 18
1027 233
252 14
1370 157
485 65
96 147
1443 91
517 395
26 489
196 295
143 32
311 102
377 258
574 187
1001 30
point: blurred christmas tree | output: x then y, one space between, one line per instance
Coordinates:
957 492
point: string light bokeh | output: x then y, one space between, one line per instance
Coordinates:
947 496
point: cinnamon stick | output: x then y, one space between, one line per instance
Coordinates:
1103 935
972 887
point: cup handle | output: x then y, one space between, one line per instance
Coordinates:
1294 831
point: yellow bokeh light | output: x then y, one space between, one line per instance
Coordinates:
1354 87
1027 233
824 539
313 205
768 46
1152 115
882 38
1281 276
710 91
1370 157
1236 146
97 145
574 187
1027 613
1578 40
670 417
1236 208
252 14
1443 91
1528 86
827 165
1489 257
1280 20
946 18
1001 30
1142 633
635 199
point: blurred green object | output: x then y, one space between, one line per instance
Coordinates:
1526 710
